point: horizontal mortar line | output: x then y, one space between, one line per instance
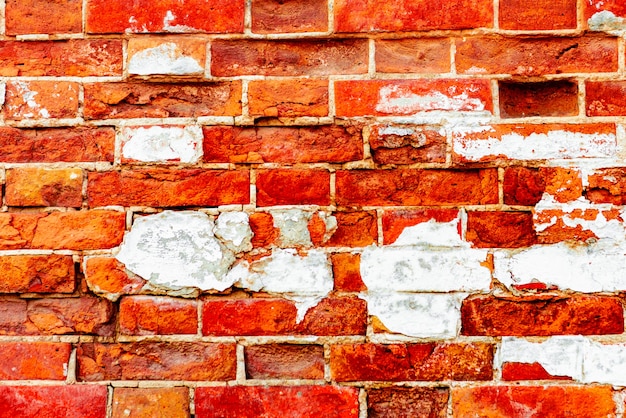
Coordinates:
37 252
139 122
60 165
76 79
300 340
44 123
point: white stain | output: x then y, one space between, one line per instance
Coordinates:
168 27
163 59
162 144
399 99
293 226
28 98
234 230
606 21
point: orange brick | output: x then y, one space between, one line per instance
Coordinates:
279 16
43 16
407 144
607 185
156 361
284 361
617 7
406 15
542 315
158 315
500 229
44 187
41 100
544 401
523 186
293 187
414 55
151 402
354 229
166 56
416 187
535 56
70 401
347 272
288 98
161 100
262 225
537 15
394 221
528 371
109 276
166 188
34 360
119 16
288 58
401 402
77 57
546 98
605 98
37 273
399 362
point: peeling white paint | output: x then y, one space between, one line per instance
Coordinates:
162 144
293 226
233 229
432 233
28 97
168 27
163 59
606 21
400 99
536 146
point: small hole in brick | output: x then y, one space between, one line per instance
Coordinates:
544 98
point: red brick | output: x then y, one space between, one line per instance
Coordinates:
607 185
43 145
86 315
407 144
539 401
41 100
416 187
500 229
606 98
399 362
293 187
43 16
262 226
72 401
528 371
158 315
407 15
354 229
109 276
536 56
13 314
85 230
277 401
332 316
289 58
166 188
37 273
288 98
542 315
537 15
279 16
523 186
284 361
394 221
401 402
34 360
545 98
151 402
334 144
118 16
414 55
77 57
617 7
161 100
347 272
44 187
407 97
156 361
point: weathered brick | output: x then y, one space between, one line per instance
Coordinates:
543 401
346 272
556 225
400 144
527 371
77 57
37 273
87 315
400 402
537 15
416 187
166 188
605 98
161 100
151 402
107 276
282 144
12 314
277 401
406 97
174 56
44 187
288 98
156 361
70 401
406 15
607 185
118 16
413 55
262 226
288 58
523 186
398 362
43 16
395 221
34 360
535 56
158 315
332 316
591 7
545 98
542 315
500 229
84 230
41 100
284 361
293 187
43 145
354 229
278 16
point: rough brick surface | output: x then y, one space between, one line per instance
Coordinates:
144 315
541 15
151 402
277 16
397 402
547 98
284 361
37 273
44 187
287 187
37 361
43 16
74 401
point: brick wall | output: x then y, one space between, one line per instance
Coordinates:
320 208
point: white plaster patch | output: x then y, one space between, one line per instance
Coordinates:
604 363
163 59
536 146
162 144
233 229
432 233
3 88
606 21
396 130
293 226
399 99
